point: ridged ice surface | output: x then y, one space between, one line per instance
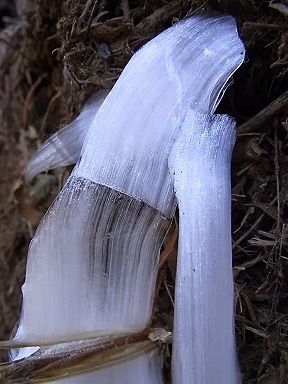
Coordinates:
92 264
130 139
64 147
145 369
203 336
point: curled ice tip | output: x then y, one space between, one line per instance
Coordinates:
202 76
143 113
64 147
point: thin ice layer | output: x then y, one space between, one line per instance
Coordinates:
92 264
203 336
129 142
145 369
64 147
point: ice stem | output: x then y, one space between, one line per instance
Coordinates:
204 343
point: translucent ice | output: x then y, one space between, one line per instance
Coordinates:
145 369
204 342
92 264
94 260
64 147
130 139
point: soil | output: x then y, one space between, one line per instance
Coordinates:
55 54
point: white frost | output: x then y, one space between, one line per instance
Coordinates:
64 147
204 342
92 264
129 142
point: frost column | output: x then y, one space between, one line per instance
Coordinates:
204 342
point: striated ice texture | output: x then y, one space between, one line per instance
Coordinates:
92 264
130 139
64 147
95 277
145 369
130 136
94 260
203 335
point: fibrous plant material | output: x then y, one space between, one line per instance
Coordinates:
92 264
204 343
280 5
103 356
267 113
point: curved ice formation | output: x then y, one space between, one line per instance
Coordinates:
64 147
92 264
188 65
204 343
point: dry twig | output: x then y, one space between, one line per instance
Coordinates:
261 117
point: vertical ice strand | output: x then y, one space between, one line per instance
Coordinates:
103 284
96 278
204 342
